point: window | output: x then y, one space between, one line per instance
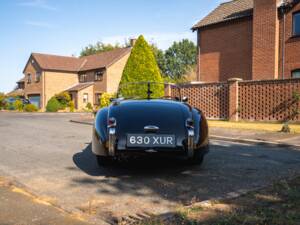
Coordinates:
98 75
37 77
85 98
28 78
296 73
296 24
97 98
82 78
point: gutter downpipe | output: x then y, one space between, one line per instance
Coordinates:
283 42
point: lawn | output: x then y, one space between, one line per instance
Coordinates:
278 204
271 127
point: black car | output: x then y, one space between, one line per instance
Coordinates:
150 126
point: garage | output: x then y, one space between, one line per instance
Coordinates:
35 100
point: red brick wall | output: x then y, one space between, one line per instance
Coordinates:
266 100
292 45
270 100
211 98
265 40
226 51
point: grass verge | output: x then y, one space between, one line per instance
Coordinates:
270 127
276 205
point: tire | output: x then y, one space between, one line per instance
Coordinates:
104 161
197 158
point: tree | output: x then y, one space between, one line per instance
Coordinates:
141 67
160 59
98 48
180 58
2 100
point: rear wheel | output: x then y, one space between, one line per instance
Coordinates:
198 156
104 160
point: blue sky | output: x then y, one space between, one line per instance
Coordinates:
65 26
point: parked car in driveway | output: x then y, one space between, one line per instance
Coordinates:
164 125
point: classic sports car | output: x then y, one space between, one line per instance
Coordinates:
132 126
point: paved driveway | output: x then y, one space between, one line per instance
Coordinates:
52 158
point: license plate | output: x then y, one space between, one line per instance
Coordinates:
150 140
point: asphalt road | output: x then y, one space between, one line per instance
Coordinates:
52 158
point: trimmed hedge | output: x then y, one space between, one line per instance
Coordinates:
141 67
53 105
30 108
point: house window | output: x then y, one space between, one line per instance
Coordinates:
37 77
97 98
82 78
99 76
296 24
296 73
28 78
85 98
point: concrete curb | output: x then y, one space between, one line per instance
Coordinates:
253 141
82 122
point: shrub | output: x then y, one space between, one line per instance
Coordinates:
105 99
10 106
64 99
89 106
30 108
18 105
53 105
141 67
72 106
2 100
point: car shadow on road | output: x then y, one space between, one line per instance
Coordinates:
228 167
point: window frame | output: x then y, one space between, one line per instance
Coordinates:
97 98
82 78
87 98
29 78
295 71
100 74
297 13
38 77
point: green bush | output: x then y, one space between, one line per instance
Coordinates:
105 99
30 108
64 99
53 105
2 100
141 67
10 106
89 106
18 105
72 106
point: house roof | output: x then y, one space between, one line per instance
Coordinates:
234 9
104 59
16 92
227 11
21 80
80 86
74 64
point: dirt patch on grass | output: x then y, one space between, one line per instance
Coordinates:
276 205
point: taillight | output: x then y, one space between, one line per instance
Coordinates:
112 122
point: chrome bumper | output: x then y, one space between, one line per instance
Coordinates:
191 135
112 141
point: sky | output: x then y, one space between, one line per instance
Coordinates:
64 27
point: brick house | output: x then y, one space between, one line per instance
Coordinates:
85 78
250 39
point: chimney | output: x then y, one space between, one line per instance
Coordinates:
132 42
265 55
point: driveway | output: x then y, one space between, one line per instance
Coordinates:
52 158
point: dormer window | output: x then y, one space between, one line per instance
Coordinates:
296 24
82 78
28 78
99 75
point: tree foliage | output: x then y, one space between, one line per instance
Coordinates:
141 67
53 105
177 60
99 47
2 100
